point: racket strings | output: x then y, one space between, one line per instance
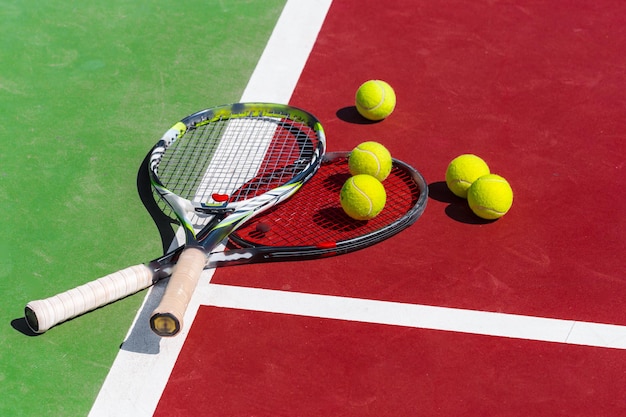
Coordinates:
289 153
314 215
249 155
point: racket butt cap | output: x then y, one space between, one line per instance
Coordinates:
165 324
31 319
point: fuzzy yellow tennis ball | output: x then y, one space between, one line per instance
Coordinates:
490 197
363 197
463 171
370 158
375 100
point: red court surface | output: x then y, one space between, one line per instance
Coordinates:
245 363
533 87
536 88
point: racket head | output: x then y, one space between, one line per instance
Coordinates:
312 224
220 159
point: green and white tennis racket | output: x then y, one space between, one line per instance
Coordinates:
216 169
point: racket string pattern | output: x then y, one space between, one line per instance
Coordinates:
315 216
246 157
313 220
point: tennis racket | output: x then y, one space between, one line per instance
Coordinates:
216 169
312 224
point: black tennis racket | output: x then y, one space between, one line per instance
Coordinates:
312 224
216 169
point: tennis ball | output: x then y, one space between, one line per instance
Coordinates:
490 197
375 100
370 158
362 197
463 171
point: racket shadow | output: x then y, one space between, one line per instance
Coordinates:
141 338
165 224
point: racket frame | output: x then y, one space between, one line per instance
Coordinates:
166 320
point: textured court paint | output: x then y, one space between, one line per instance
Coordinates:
257 364
86 88
250 363
533 259
533 87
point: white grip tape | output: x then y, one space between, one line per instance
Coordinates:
87 297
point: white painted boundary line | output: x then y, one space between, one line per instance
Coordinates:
420 316
142 367
287 51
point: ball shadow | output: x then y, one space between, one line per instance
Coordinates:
457 208
165 224
351 115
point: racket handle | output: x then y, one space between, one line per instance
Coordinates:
167 318
43 314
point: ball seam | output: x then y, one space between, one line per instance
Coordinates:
364 194
375 159
382 98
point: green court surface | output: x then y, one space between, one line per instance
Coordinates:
86 88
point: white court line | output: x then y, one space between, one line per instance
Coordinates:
419 316
143 365
287 51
